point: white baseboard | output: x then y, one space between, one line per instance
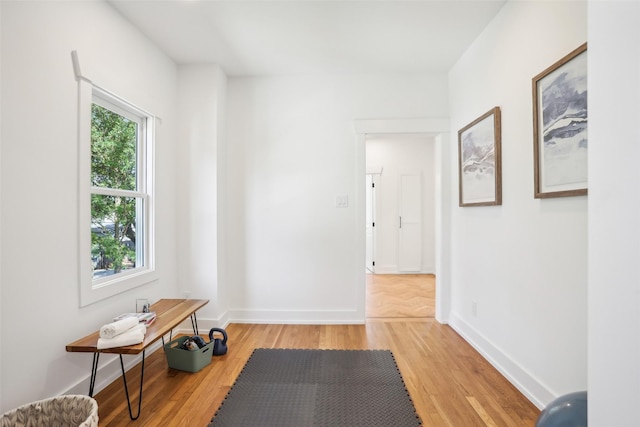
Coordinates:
385 269
204 325
299 317
392 269
528 385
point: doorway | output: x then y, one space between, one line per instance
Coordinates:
400 204
438 128
400 226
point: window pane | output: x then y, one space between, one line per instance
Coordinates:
113 149
114 221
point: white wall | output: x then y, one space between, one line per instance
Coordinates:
201 106
614 209
294 256
401 154
40 311
524 263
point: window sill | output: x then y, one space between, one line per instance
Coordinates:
104 289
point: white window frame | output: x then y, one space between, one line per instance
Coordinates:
94 290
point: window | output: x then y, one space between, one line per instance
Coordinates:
116 204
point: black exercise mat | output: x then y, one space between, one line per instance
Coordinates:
290 387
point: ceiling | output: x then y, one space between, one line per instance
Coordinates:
267 37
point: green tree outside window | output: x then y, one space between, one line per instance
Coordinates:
113 166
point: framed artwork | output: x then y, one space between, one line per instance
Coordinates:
560 127
479 161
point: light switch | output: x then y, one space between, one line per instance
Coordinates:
342 201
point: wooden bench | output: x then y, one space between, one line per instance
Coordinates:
169 314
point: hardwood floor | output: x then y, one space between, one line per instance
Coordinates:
401 295
449 382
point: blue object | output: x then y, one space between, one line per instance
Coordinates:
569 410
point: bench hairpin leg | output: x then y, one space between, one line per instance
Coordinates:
126 389
194 323
94 372
170 337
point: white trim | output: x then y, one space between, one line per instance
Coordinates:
300 317
442 200
393 269
429 126
118 193
85 98
93 290
81 78
528 385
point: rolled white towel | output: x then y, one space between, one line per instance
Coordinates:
114 329
133 336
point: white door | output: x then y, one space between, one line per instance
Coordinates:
409 224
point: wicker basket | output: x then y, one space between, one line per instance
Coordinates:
60 411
